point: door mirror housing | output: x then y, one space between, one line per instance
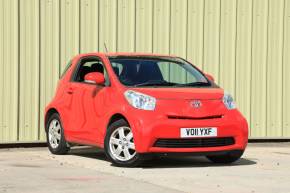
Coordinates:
210 77
95 78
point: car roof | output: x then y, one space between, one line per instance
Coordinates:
136 54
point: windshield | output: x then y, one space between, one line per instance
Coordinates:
157 72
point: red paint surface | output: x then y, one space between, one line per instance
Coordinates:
85 111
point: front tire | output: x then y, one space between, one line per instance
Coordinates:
226 158
55 136
119 145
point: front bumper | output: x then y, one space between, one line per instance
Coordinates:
149 126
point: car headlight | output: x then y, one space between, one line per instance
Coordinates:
140 100
229 101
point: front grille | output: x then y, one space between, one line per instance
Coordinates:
195 118
199 142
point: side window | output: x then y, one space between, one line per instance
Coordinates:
88 65
65 69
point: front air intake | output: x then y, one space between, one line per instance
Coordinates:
197 142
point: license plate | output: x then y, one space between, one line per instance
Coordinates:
198 132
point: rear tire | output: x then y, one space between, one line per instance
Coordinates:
119 145
55 136
226 158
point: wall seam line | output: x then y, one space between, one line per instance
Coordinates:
80 26
219 46
251 66
135 27
267 50
2 68
39 66
152 32
98 43
236 41
203 27
186 38
282 74
18 73
117 23
169 35
59 36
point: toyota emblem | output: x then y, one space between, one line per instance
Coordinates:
196 104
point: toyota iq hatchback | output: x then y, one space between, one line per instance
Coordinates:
135 105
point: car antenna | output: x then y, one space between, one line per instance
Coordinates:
106 47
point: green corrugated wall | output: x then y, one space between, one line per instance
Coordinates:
245 44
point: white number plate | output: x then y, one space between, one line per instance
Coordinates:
198 132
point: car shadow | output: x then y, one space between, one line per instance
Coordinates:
89 152
190 161
164 161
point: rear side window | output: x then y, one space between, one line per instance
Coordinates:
65 69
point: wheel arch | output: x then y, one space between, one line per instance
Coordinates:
115 117
130 122
49 112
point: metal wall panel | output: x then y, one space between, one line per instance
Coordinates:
69 30
243 43
259 68
2 128
161 30
8 70
89 25
274 68
161 26
211 37
286 70
144 24
108 25
49 54
29 70
243 57
178 36
195 32
227 50
126 26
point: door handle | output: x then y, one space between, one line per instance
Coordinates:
70 90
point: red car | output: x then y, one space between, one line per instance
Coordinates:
138 105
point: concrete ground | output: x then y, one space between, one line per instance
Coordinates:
264 168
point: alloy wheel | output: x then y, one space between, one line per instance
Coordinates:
122 144
54 133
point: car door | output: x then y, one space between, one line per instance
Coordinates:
85 99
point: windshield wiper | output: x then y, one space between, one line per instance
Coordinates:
195 84
155 83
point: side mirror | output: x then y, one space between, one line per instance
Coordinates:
95 78
210 77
